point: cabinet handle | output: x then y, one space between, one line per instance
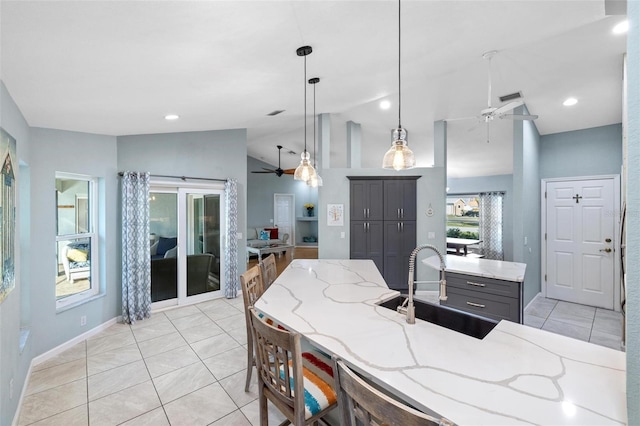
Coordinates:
401 213
477 305
368 214
364 227
398 213
402 226
398 226
476 284
367 226
364 213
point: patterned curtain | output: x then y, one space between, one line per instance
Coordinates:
491 225
136 258
231 250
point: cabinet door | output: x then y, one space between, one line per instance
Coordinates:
400 199
367 200
367 242
399 242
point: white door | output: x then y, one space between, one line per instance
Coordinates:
284 214
580 233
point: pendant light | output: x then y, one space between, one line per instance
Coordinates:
305 170
315 180
399 156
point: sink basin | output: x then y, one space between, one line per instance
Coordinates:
453 319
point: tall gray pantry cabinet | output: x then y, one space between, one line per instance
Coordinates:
383 224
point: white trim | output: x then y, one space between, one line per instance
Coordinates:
616 237
56 351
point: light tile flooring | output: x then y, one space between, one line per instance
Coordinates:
595 325
185 366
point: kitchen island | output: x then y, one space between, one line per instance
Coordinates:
515 375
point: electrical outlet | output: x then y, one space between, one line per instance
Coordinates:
83 320
342 235
11 388
431 235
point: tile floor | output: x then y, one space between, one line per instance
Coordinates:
187 366
595 325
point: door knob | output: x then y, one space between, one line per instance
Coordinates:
607 250
608 240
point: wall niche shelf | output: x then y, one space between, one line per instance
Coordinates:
307 218
306 226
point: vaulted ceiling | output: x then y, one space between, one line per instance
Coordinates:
117 68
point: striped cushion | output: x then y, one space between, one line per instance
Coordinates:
318 382
271 322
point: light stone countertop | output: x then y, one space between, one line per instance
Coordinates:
515 375
498 269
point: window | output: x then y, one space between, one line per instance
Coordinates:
76 239
463 216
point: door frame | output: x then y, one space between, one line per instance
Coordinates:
617 215
292 213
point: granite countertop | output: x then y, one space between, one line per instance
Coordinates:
515 375
498 269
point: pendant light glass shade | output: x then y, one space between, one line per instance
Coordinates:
305 170
399 156
315 180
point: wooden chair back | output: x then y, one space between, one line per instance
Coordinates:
252 289
275 350
362 404
269 270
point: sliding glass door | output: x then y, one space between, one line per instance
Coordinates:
186 244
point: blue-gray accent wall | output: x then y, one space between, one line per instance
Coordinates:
586 152
633 210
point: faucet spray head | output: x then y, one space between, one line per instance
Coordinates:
443 290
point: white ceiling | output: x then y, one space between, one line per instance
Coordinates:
117 67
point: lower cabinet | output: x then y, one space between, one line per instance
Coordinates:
367 241
399 241
488 297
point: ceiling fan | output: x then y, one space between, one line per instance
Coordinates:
279 172
490 113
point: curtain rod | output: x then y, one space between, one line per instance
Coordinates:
184 178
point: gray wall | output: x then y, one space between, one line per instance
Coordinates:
587 152
87 154
526 189
260 190
430 191
474 185
13 363
633 207
218 154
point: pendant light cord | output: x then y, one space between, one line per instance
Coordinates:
304 83
399 75
314 126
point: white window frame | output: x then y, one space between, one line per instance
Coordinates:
92 235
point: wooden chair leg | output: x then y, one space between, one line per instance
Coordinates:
264 412
250 361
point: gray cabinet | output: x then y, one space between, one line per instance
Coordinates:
383 224
489 297
367 199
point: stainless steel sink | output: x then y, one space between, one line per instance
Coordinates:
453 319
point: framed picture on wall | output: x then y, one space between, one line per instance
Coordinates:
335 214
8 195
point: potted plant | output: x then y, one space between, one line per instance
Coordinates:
309 207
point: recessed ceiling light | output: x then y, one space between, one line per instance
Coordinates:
385 104
570 102
621 28
171 117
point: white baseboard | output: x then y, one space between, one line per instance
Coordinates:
56 351
530 302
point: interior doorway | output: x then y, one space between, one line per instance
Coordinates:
579 224
284 215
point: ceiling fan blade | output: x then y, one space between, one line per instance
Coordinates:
519 117
289 171
508 107
270 171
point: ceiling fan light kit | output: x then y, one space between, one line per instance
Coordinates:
399 156
305 170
